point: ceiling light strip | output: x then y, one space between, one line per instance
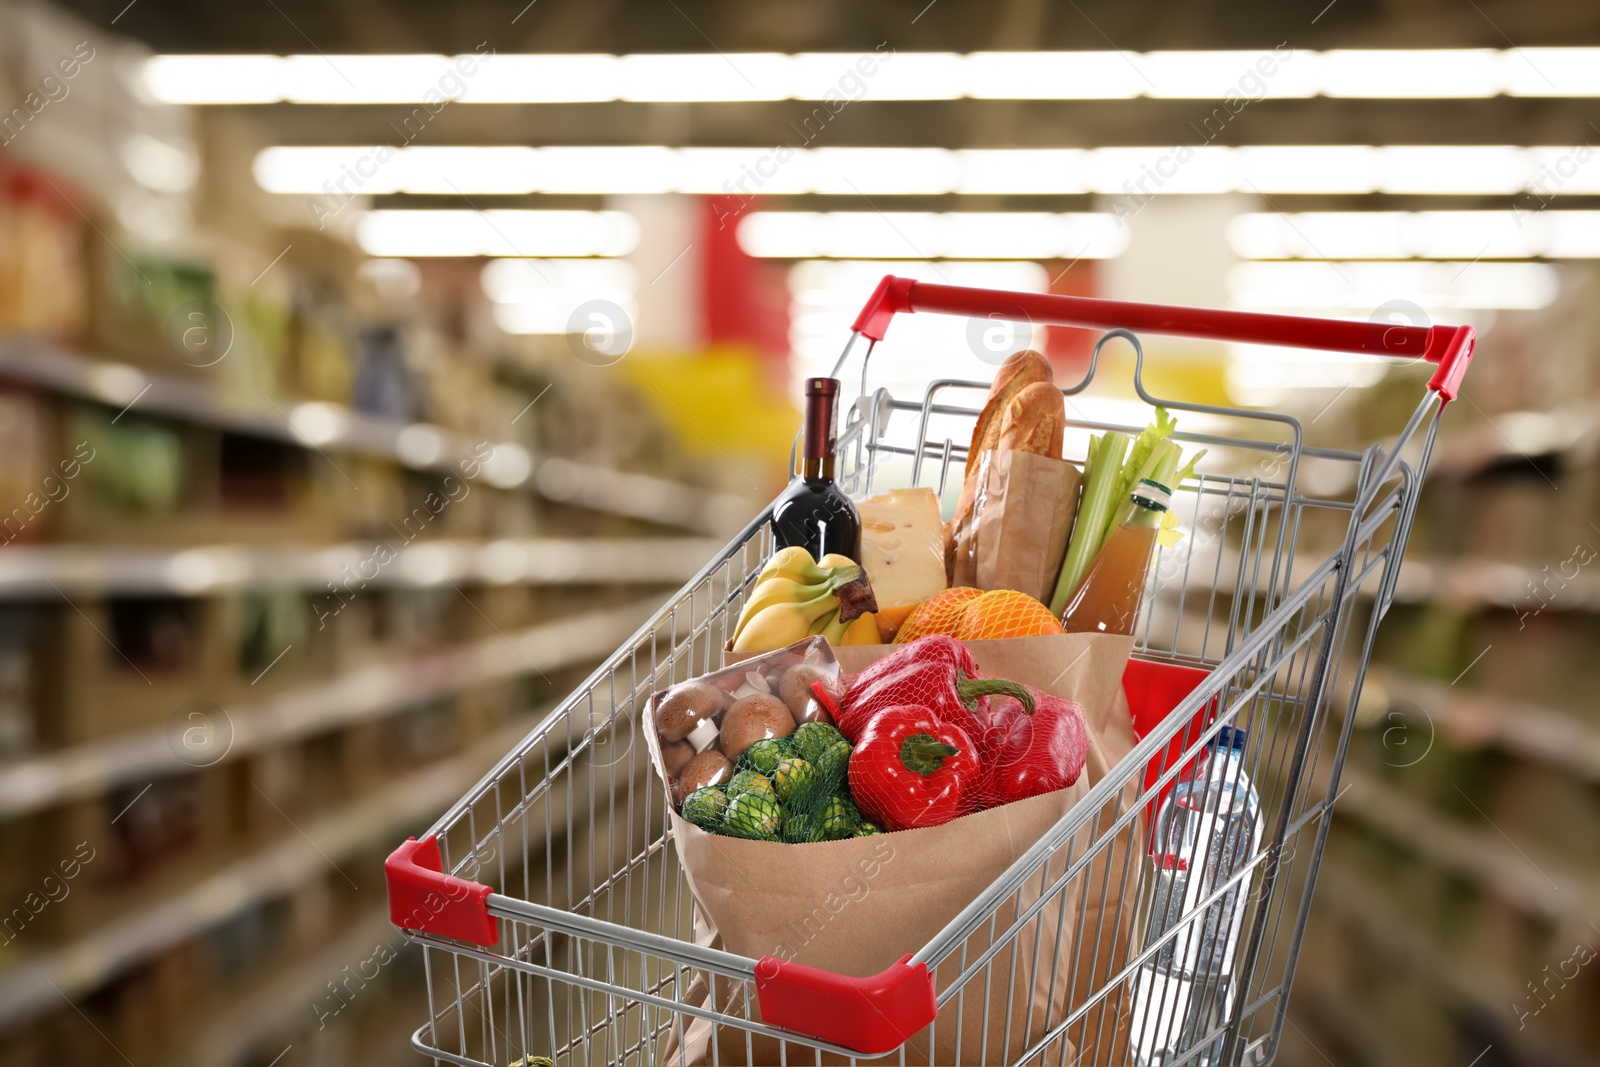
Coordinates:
1521 233
879 74
330 176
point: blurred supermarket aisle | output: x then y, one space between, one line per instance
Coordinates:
370 371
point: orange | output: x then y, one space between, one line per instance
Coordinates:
1005 613
939 614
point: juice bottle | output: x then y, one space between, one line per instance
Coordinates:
1108 600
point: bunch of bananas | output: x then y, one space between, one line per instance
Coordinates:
795 597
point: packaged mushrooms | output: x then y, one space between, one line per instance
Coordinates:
704 731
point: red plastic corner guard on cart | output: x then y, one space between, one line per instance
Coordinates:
425 899
1449 347
1153 689
872 1015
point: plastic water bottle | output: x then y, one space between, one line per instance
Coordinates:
1206 831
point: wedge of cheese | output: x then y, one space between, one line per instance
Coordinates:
902 549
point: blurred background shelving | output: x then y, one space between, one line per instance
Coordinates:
317 491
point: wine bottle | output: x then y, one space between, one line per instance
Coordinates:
812 511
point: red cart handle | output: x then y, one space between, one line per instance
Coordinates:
1450 347
873 1015
423 898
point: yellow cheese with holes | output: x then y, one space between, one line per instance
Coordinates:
902 549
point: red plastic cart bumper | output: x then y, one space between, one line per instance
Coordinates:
425 899
871 1015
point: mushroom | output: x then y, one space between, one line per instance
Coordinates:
683 707
815 712
752 718
795 687
708 768
676 756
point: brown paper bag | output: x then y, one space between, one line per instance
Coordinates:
856 906
1021 519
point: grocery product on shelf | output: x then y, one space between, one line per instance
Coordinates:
19 723
902 549
139 463
1108 600
41 268
133 300
32 478
813 512
320 338
383 383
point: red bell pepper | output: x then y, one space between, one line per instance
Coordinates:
1025 754
910 770
936 672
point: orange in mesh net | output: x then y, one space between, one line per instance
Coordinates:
939 614
1005 613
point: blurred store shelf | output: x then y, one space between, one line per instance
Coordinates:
1469 720
49 570
1364 909
336 427
269 1004
403 806
1482 855
1477 582
643 496
363 694
1471 993
1515 435
310 425
1465 581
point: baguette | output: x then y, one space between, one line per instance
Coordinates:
1023 369
1033 422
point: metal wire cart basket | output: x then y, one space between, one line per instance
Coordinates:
1259 618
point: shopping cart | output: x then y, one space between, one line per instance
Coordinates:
1262 617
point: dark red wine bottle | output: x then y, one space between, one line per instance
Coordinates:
812 511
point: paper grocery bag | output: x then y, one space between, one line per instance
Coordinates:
1021 519
856 906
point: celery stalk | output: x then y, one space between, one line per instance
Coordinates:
1159 466
1101 476
1144 446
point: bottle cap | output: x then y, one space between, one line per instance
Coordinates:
1152 495
1232 737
